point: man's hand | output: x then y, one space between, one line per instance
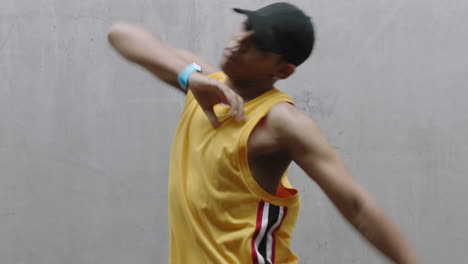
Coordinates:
209 92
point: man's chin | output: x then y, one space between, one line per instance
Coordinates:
224 64
228 67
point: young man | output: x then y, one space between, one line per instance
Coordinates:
229 197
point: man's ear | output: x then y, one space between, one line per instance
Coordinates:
284 71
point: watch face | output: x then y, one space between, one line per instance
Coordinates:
196 66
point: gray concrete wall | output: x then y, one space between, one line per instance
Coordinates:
85 137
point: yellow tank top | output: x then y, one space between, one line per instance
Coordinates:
217 211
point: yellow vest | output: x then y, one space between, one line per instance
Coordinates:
217 211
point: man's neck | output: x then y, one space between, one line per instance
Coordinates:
248 89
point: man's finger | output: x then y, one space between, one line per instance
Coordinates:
230 98
237 108
212 117
240 109
235 103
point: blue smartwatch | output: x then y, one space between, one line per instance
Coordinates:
184 75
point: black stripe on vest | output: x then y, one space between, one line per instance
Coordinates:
273 214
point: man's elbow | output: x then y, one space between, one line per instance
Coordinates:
356 203
115 32
123 38
361 204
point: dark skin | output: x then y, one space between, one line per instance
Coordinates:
285 134
252 71
267 161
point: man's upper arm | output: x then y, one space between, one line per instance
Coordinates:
188 56
309 149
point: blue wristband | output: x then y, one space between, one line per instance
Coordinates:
184 75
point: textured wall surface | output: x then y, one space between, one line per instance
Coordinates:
85 137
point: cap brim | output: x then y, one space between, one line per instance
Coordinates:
241 11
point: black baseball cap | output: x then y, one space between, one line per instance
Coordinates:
284 29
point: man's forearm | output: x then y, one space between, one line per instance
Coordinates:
377 228
142 47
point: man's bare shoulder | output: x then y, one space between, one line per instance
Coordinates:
269 134
282 111
289 125
284 117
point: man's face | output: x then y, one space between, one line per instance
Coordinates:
243 59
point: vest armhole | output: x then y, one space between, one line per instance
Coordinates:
285 195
